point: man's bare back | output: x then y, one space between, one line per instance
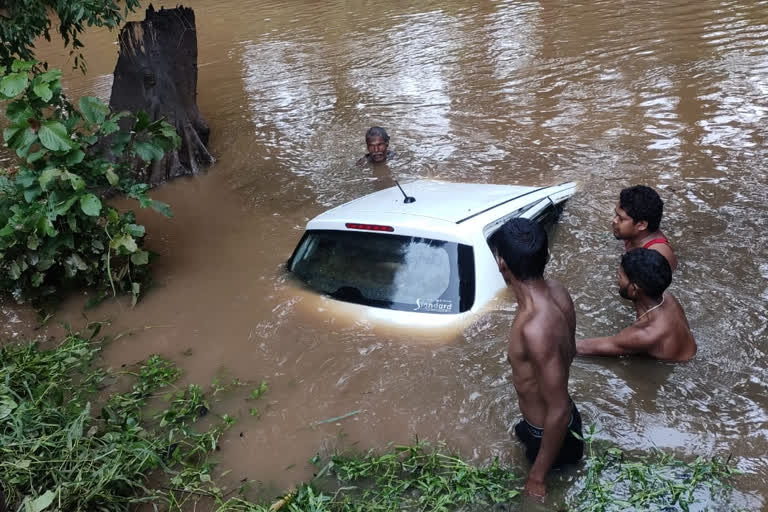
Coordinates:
540 351
546 326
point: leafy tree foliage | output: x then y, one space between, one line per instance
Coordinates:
55 229
23 21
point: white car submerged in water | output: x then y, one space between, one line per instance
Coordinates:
417 256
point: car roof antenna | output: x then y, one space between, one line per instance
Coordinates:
408 199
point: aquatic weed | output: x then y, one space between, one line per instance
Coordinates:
54 451
658 481
63 446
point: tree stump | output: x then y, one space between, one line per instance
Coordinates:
156 72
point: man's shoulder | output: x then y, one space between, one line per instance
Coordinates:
560 293
557 286
546 329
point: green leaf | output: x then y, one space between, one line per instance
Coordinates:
13 84
66 205
120 141
43 91
48 228
77 182
112 177
31 194
23 140
20 110
40 503
168 130
93 109
74 261
37 279
135 230
53 135
7 405
135 291
75 157
37 155
161 207
11 132
48 175
50 76
125 241
148 151
140 257
33 242
142 121
44 264
22 65
109 127
90 204
14 271
26 178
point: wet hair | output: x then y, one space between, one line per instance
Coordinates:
648 269
376 131
523 246
642 204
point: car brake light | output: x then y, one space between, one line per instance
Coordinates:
369 227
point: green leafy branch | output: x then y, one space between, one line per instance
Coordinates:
56 231
23 21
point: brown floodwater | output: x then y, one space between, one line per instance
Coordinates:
672 94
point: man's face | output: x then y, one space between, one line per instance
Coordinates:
624 285
377 148
624 226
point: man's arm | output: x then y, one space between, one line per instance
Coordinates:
553 388
630 340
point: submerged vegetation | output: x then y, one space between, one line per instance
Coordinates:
72 438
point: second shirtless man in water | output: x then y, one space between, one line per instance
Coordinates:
541 349
661 329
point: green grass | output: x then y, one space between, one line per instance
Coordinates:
659 481
61 448
70 441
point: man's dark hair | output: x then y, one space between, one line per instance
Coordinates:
376 131
522 244
642 204
648 269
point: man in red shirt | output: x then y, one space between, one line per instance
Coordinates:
637 219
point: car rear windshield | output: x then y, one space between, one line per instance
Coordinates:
387 271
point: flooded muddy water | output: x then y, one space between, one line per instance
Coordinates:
669 94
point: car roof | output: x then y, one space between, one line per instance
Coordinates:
449 202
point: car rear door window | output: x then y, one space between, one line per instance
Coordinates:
388 271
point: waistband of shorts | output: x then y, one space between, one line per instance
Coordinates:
539 432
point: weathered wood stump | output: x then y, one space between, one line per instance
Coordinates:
156 72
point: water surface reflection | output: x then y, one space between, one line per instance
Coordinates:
669 94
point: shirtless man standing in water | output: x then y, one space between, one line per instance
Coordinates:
541 349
